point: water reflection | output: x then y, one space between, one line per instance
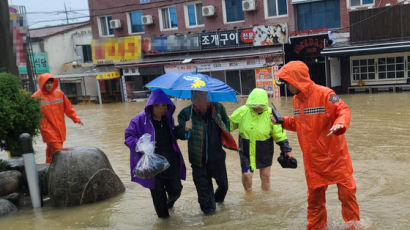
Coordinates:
379 145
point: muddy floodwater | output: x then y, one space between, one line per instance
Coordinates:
379 144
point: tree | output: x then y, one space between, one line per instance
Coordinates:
19 113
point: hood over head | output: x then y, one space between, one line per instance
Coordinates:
157 97
297 74
258 97
43 78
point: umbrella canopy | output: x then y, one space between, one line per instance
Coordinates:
180 85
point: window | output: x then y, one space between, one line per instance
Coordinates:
84 53
193 14
316 15
275 8
363 69
233 80
408 66
248 81
168 18
391 67
233 11
135 22
361 2
381 67
104 26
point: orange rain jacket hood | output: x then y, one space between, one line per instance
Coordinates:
54 105
316 109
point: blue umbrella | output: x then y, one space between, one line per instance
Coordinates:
180 85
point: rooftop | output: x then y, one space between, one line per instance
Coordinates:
52 30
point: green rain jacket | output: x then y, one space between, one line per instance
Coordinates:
257 130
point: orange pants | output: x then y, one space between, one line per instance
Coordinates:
317 216
52 147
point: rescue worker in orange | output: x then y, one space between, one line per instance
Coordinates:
53 106
320 120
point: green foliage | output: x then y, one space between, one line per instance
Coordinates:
3 165
19 113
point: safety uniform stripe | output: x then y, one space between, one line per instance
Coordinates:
58 101
296 112
44 103
314 110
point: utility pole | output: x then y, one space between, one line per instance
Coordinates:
7 55
66 13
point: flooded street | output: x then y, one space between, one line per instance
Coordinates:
379 144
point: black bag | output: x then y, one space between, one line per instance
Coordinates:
287 162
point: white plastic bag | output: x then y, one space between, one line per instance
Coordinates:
150 163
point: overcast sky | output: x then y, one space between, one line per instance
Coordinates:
42 13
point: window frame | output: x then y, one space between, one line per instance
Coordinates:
108 26
186 15
224 14
161 26
130 25
265 5
349 4
386 80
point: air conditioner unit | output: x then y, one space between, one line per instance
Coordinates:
115 24
208 10
147 20
248 5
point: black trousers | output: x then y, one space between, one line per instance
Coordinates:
164 195
204 187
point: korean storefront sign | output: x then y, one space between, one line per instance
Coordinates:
216 66
116 50
39 63
108 75
255 36
265 79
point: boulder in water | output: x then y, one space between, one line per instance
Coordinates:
6 207
81 175
9 182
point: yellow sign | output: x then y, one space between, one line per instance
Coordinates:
116 50
108 75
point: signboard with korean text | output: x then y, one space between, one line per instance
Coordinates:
108 75
39 63
255 36
265 79
216 66
173 43
116 50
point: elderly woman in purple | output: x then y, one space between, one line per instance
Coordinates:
156 119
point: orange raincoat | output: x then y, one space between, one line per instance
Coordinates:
326 159
53 106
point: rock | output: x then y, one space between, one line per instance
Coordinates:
81 175
42 170
6 207
14 198
9 182
16 164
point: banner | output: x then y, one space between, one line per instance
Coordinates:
108 75
39 63
254 36
116 50
216 66
265 79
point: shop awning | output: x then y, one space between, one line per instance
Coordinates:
209 55
366 48
89 71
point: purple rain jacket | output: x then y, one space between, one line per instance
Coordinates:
141 124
